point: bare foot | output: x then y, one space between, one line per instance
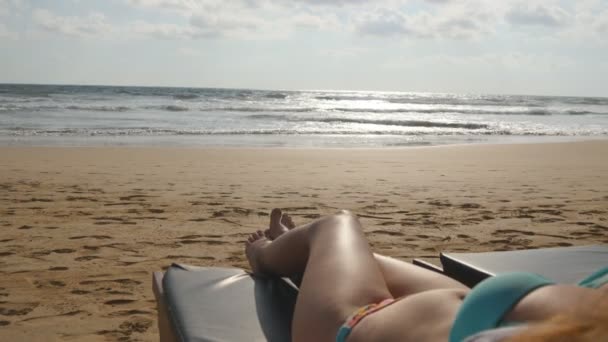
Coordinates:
253 247
287 222
277 224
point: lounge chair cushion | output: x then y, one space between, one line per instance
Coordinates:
567 265
228 304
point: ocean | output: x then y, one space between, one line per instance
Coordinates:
109 115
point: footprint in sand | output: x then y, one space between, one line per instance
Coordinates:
176 257
467 238
189 237
17 309
139 198
513 231
125 313
470 206
119 293
119 301
386 232
58 268
389 223
136 324
87 258
430 238
96 237
45 284
79 292
122 281
63 251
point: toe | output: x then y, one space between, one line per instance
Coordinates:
275 216
287 221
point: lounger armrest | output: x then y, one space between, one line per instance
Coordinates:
427 265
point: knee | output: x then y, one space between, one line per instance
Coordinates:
343 216
343 219
345 213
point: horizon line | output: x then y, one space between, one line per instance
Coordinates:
295 90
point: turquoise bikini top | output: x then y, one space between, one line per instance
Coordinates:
489 301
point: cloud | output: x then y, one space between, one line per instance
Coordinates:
453 21
225 23
167 31
601 24
277 19
7 7
93 24
384 23
182 5
537 14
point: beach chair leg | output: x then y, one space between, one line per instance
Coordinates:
165 330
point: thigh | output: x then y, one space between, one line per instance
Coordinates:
341 275
426 316
404 279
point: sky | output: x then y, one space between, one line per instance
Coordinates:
540 47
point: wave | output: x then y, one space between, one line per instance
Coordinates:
142 131
185 96
175 108
348 98
7 106
260 110
447 110
534 112
402 123
582 112
100 108
276 96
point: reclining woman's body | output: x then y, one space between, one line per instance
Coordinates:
341 275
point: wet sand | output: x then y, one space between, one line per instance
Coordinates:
83 228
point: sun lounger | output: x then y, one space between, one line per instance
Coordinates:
561 264
228 304
222 304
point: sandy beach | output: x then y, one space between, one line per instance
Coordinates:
82 229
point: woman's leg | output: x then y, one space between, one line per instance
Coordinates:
341 273
404 279
401 278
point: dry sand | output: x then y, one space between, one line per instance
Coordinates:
83 228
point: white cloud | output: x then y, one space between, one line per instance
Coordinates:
166 31
601 23
93 24
183 5
277 19
463 20
8 7
538 14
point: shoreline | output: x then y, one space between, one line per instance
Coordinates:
83 228
186 142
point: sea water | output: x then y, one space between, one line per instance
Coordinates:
107 115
